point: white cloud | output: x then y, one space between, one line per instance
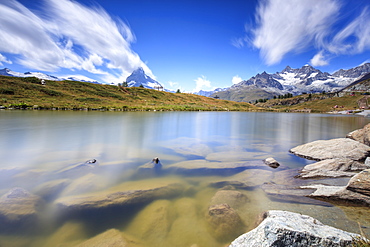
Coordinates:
4 59
68 35
319 60
202 84
238 42
285 26
236 79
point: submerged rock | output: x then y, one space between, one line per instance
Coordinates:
282 228
332 168
224 222
245 180
231 197
18 208
331 149
204 167
120 197
111 238
149 169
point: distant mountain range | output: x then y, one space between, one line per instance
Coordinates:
295 81
40 75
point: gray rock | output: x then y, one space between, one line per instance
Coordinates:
271 162
334 148
360 183
338 194
282 228
361 135
224 222
332 168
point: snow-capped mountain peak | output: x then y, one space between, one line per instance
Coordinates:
138 77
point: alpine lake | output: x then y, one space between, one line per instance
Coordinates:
67 177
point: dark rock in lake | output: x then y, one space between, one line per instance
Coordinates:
271 162
224 222
331 149
333 168
282 228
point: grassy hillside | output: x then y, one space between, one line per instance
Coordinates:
315 103
24 93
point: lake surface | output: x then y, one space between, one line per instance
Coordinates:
37 147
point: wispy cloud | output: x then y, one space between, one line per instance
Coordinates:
68 35
202 84
284 26
4 59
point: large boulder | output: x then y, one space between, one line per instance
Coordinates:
360 183
224 222
332 168
282 228
331 149
361 135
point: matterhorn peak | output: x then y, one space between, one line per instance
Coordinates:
138 78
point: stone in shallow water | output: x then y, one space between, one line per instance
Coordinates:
224 222
233 198
331 149
131 193
360 183
204 167
282 228
271 162
245 180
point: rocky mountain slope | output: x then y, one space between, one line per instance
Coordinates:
296 81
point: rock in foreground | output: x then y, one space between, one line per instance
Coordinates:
331 149
282 228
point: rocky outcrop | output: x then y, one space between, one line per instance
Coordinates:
18 208
282 228
107 199
224 222
356 192
332 168
334 148
361 135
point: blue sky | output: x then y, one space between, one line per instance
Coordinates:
188 45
